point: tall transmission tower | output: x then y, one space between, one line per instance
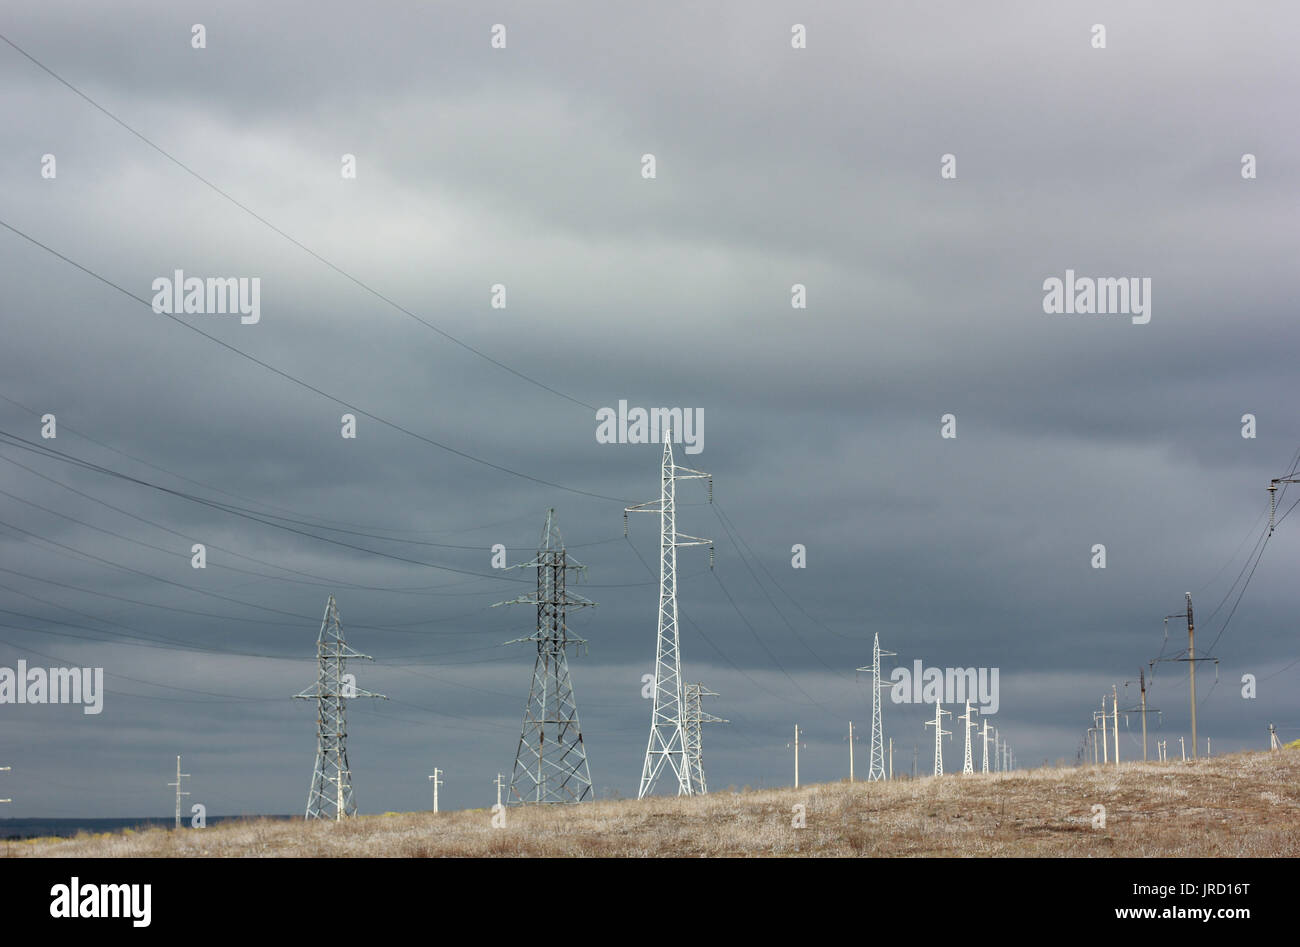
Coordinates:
1273 742
696 717
667 742
967 767
984 756
551 759
177 784
330 796
877 769
939 733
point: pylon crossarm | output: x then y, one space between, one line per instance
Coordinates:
687 473
653 506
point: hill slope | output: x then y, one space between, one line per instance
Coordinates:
1245 804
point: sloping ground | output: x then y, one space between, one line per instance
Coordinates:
1246 804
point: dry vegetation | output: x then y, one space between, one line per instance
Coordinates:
1246 804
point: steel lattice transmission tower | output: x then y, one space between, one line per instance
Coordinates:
667 742
551 760
939 734
967 766
330 796
877 769
696 717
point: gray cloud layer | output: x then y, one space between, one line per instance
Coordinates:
521 166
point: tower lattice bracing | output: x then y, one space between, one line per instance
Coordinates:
667 742
696 717
331 782
551 760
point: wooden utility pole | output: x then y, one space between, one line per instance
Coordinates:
1114 704
1142 681
1191 665
1142 708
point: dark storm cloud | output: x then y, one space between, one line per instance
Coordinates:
821 425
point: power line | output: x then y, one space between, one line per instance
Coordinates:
13 440
369 289
305 384
322 580
65 426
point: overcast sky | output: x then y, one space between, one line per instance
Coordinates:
523 166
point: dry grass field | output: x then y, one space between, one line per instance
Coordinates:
1247 804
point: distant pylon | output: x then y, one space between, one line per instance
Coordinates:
551 759
695 718
667 742
877 768
967 767
1273 742
330 796
984 756
939 733
177 784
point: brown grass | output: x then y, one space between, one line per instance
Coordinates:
1245 804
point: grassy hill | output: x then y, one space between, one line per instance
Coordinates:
1244 804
